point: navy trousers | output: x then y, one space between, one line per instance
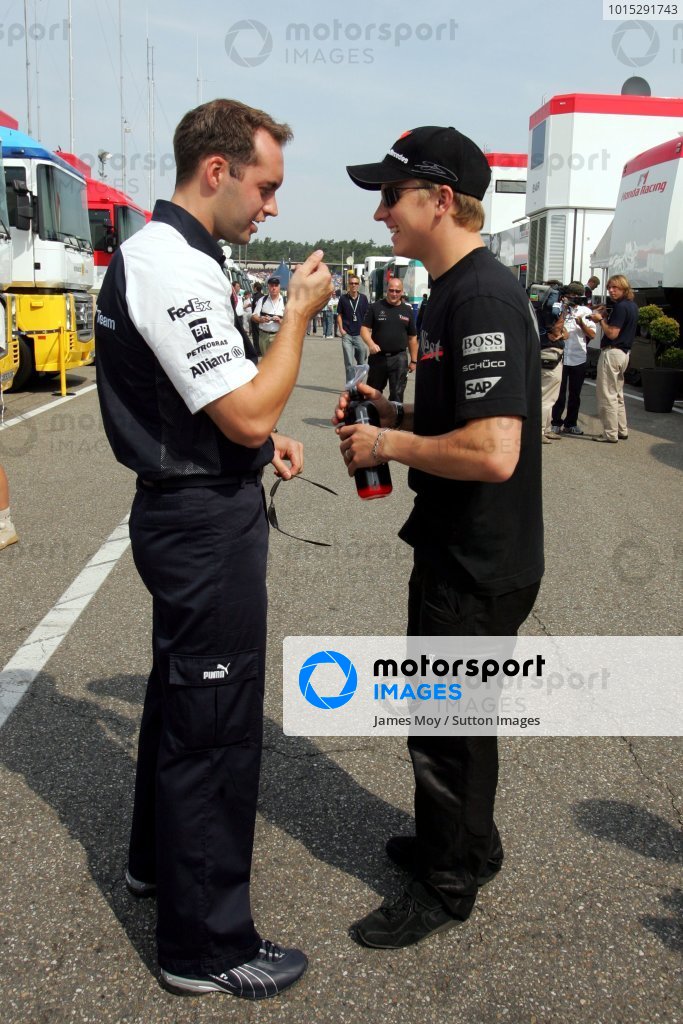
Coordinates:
456 776
201 552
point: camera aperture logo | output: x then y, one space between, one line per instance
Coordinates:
250 27
348 673
644 34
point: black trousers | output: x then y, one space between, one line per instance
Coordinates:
201 552
572 379
456 777
391 368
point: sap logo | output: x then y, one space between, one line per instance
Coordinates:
220 672
494 342
193 306
106 321
484 364
200 329
480 387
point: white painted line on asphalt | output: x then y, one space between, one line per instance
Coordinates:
638 398
38 648
45 408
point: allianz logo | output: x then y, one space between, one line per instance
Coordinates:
220 672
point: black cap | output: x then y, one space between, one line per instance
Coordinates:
273 280
442 155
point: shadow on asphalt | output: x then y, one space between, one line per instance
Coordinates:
645 834
78 758
668 454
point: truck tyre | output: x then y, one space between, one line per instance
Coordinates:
26 367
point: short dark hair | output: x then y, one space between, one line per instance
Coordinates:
225 128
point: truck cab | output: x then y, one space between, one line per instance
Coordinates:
52 257
9 345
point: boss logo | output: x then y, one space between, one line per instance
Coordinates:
193 306
480 386
494 342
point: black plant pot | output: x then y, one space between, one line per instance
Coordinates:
660 387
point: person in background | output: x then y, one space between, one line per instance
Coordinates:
421 312
579 333
268 314
351 313
257 294
8 535
388 330
618 334
591 285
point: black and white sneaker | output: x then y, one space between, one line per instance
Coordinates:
272 970
139 889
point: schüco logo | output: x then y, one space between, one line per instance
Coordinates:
252 28
347 673
493 342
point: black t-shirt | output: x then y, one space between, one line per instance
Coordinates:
625 316
479 358
390 326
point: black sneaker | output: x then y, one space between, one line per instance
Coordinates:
272 970
404 852
140 889
412 917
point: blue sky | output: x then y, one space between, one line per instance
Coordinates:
366 73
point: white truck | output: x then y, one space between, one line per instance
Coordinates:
52 256
9 345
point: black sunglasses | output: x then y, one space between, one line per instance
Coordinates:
391 195
272 515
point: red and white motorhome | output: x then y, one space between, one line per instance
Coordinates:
578 144
646 240
113 216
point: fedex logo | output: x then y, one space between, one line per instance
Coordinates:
193 306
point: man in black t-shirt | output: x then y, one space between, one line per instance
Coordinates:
472 442
618 334
388 329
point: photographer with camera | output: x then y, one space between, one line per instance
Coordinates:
553 334
579 333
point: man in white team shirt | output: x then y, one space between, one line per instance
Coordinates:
268 314
579 332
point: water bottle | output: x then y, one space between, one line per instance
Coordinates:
376 481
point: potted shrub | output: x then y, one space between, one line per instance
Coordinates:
673 358
661 383
646 314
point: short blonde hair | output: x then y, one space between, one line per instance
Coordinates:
468 211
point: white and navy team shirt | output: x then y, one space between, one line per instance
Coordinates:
167 346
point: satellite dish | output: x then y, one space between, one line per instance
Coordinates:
349 261
227 251
636 86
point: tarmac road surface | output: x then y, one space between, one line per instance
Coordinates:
583 926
